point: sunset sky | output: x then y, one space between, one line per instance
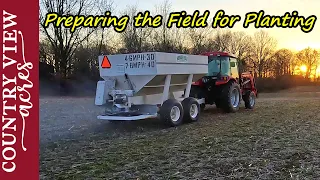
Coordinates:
290 38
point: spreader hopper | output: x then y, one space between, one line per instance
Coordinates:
135 85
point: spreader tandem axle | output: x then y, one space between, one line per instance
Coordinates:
172 87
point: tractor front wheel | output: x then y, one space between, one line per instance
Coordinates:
231 97
171 112
249 100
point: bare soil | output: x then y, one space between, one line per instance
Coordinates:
279 139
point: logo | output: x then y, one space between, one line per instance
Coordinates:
105 62
16 93
182 59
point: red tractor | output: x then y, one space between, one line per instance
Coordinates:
225 85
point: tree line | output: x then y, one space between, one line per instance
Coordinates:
74 54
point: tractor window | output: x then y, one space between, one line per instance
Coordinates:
234 68
214 65
225 67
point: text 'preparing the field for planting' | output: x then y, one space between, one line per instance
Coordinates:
183 20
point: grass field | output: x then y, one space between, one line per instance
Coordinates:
279 139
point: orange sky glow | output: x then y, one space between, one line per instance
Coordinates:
292 38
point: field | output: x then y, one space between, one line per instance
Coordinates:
279 139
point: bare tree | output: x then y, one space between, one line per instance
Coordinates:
310 58
63 41
263 47
240 45
162 36
222 40
45 52
178 40
237 43
135 39
200 39
103 6
282 62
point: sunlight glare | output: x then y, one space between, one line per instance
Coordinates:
303 68
318 71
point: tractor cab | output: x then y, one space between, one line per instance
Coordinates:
222 67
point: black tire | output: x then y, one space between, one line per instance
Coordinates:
116 121
226 101
165 112
191 109
218 104
202 107
249 100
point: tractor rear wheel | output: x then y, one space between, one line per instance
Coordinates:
231 97
191 109
171 112
202 107
249 100
218 104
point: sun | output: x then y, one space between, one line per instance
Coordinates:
303 68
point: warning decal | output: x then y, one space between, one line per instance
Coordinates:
105 62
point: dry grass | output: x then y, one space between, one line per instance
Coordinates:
280 139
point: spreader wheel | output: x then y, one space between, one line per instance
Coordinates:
171 112
191 109
249 100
